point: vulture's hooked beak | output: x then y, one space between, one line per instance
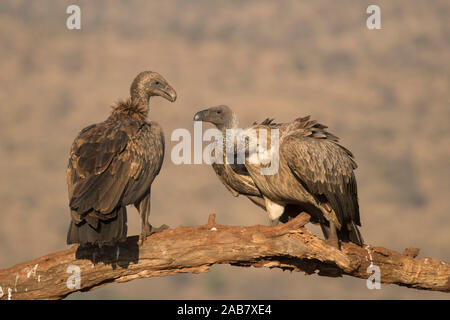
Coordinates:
200 116
168 93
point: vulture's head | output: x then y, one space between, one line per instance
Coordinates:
148 84
221 116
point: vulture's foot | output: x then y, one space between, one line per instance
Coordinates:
330 233
148 230
333 241
159 229
274 222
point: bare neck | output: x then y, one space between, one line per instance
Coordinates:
141 100
228 140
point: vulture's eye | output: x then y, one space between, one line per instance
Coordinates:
157 83
219 112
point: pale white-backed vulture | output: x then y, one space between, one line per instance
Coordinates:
314 173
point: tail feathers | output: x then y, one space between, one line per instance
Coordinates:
99 232
351 234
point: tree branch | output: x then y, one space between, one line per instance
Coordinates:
194 249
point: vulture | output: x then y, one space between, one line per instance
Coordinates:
113 163
315 173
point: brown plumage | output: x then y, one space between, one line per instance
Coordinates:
315 175
112 164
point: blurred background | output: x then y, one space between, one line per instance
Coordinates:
385 93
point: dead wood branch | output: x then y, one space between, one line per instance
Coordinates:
195 249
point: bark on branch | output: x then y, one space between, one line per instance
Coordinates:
195 249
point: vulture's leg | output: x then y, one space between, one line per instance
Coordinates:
258 201
146 228
330 233
274 210
144 210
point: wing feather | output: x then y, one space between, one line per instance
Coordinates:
325 169
100 168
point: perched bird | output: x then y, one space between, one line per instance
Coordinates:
235 177
112 164
314 174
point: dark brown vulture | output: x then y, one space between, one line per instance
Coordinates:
315 174
112 164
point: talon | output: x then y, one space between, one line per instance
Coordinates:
146 231
149 230
141 239
159 229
